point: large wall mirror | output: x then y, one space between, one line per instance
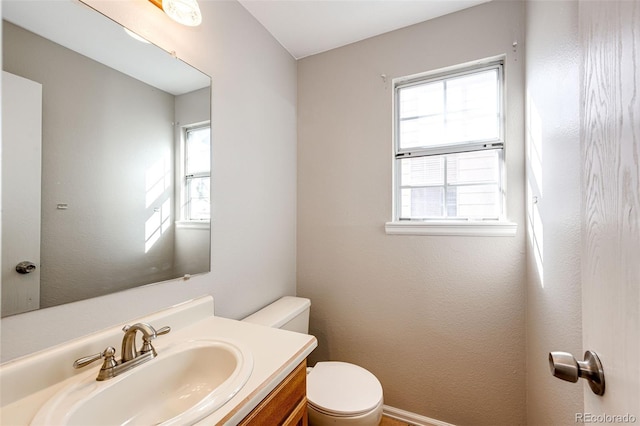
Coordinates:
106 158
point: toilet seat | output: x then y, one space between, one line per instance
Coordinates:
334 415
341 389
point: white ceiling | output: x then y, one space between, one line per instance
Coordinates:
307 27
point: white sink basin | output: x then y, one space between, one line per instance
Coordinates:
183 384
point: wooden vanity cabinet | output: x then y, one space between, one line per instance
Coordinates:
286 405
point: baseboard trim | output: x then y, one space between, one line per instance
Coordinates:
411 418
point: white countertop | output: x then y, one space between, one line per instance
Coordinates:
28 382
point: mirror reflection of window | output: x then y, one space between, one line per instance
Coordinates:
197 166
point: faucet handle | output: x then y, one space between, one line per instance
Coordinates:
163 330
108 355
146 340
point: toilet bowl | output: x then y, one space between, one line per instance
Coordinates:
338 393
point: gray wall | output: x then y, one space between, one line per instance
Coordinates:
102 131
254 177
554 309
439 320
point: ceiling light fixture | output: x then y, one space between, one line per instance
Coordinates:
186 12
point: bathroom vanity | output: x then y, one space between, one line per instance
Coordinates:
268 383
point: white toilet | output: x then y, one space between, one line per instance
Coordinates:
338 393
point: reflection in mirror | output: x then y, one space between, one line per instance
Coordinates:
97 191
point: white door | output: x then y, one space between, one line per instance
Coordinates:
610 132
21 171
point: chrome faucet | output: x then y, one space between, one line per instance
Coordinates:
130 356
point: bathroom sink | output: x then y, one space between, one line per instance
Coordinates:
183 384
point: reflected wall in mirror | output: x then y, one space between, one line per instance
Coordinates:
114 204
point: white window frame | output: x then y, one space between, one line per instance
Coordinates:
185 221
459 225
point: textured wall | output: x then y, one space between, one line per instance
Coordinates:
254 177
553 175
439 320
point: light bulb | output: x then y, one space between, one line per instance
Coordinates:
185 12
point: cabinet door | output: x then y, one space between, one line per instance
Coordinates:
299 415
285 405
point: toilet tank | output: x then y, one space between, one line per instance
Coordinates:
289 313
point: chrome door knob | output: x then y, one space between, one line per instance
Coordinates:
564 366
25 267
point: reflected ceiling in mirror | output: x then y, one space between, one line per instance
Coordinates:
112 195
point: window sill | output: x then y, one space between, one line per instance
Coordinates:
186 224
452 228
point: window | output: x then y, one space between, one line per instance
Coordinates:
196 189
449 146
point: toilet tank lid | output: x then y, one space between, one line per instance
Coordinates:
280 312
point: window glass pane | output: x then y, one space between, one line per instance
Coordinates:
421 114
473 201
463 185
452 110
473 167
422 171
473 189
421 203
197 150
414 132
473 107
198 192
421 100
